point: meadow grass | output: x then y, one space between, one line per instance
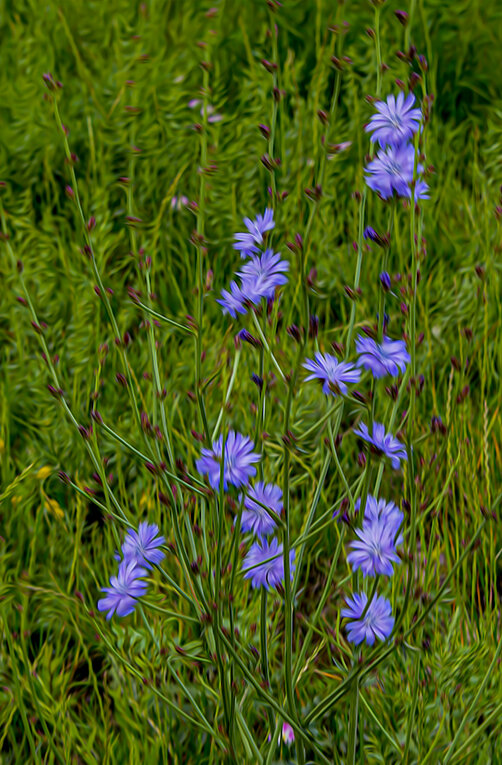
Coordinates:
170 683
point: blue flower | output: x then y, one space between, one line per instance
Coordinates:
124 590
264 564
375 550
333 373
143 545
396 121
238 467
261 275
233 301
387 358
421 191
379 510
382 443
377 622
392 170
255 518
247 241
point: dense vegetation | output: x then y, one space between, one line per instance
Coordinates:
125 175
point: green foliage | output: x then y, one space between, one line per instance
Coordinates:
74 688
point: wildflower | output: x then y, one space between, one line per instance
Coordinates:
380 510
124 590
143 545
264 564
246 242
376 623
261 275
396 122
383 443
238 467
421 191
233 301
288 734
255 518
386 358
334 374
374 551
392 170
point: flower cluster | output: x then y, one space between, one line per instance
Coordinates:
395 169
264 562
140 550
261 274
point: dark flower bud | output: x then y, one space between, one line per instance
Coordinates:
85 432
64 477
422 62
312 276
314 194
359 397
55 392
95 415
247 337
404 309
392 391
258 381
265 131
323 116
121 379
351 293
371 33
49 81
385 281
338 348
402 17
270 66
455 363
414 80
313 327
406 505
361 459
69 192
480 271
294 332
382 240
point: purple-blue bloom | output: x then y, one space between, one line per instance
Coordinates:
387 358
261 275
379 510
396 121
377 623
124 590
421 191
255 518
143 545
233 301
392 170
375 550
238 461
383 443
262 571
333 373
246 242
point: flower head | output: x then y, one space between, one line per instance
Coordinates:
255 518
379 510
383 443
387 358
143 545
333 373
246 242
374 551
261 275
233 301
396 120
288 734
377 623
264 564
238 461
124 590
392 170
